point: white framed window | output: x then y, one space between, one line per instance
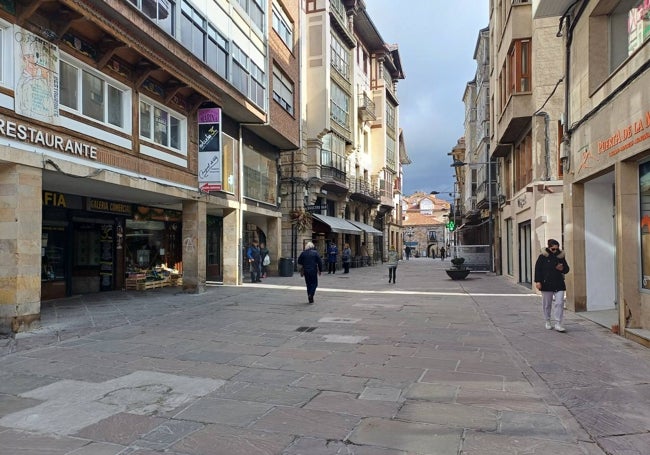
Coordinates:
340 57
92 94
6 55
217 52
340 105
193 30
240 75
390 116
162 12
283 90
282 26
162 126
255 10
258 86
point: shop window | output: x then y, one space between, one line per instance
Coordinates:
230 146
260 177
152 242
644 192
91 94
53 253
87 250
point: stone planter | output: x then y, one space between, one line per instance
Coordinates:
458 274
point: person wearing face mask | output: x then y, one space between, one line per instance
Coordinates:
550 268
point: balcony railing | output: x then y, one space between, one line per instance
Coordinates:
363 187
366 108
329 172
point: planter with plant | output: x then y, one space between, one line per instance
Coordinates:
301 219
459 270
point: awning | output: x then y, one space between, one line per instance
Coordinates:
366 227
338 224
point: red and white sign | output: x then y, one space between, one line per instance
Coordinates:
207 187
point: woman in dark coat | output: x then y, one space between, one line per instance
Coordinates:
550 268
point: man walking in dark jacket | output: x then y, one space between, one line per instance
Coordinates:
312 266
550 268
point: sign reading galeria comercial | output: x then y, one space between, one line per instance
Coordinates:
210 178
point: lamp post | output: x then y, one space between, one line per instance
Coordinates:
459 163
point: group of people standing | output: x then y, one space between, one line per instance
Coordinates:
258 260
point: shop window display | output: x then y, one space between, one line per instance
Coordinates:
644 192
152 248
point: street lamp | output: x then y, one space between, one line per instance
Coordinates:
459 163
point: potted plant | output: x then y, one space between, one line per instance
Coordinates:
301 219
459 270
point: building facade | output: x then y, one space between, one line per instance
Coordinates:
605 156
526 108
341 183
424 225
141 143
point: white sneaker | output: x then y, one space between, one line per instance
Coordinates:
548 325
559 328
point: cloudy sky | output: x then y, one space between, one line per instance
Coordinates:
436 40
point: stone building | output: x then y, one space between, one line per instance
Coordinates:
343 184
526 108
605 156
424 220
141 142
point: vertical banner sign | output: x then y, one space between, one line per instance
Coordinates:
37 77
210 149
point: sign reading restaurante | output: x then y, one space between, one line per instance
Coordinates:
32 135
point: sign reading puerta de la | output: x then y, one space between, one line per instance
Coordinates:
210 177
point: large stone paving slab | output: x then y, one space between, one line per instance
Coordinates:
226 440
216 410
451 415
22 442
68 406
414 437
306 422
480 443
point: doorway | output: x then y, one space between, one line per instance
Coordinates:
525 255
600 243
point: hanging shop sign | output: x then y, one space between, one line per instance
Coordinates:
210 178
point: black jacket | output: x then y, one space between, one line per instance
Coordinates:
546 273
310 261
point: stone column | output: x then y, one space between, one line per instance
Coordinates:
232 248
194 246
21 218
274 243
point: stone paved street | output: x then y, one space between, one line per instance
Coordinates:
424 366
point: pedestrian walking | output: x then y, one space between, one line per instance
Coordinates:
253 255
311 267
407 251
332 257
550 268
442 253
265 259
393 259
347 258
